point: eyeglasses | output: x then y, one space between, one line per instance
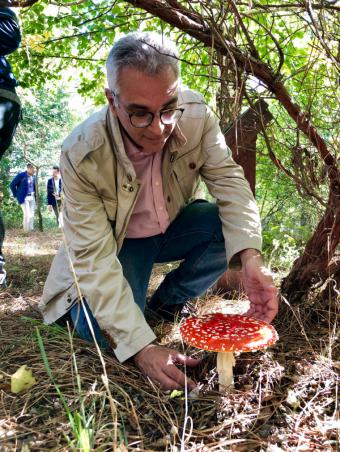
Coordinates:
143 119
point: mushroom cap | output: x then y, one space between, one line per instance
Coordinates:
228 333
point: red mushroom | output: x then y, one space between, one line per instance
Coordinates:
226 334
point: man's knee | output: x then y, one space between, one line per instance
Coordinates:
9 119
207 212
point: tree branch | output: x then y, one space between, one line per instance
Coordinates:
66 4
318 34
268 7
17 3
251 65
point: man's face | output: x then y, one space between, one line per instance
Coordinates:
55 173
30 170
140 92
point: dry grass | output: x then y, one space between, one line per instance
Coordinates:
285 399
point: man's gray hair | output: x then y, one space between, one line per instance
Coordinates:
150 53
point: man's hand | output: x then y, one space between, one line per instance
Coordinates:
259 286
49 208
159 364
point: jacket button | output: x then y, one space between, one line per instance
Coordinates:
192 165
172 158
127 187
168 199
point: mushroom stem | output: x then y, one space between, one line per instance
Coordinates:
225 364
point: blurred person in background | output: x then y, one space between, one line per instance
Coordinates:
54 187
23 189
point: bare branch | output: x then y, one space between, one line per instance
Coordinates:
317 32
275 41
66 4
66 57
253 49
269 7
248 63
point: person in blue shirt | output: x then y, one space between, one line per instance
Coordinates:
23 189
10 108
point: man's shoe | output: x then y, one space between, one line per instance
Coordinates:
169 312
166 312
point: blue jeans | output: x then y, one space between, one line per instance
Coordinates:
194 237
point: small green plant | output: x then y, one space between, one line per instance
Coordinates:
82 424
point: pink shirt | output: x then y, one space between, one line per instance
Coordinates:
149 216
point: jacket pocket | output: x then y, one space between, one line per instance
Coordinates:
188 165
187 172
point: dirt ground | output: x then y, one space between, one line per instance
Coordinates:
286 398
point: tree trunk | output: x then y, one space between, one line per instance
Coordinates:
241 138
37 197
318 261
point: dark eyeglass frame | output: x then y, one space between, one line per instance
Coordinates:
151 115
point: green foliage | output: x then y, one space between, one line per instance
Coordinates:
46 120
12 213
69 44
288 219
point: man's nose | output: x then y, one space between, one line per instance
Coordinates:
157 127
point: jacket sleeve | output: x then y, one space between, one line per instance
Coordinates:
93 252
14 184
226 183
10 36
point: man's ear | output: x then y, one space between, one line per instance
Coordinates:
110 100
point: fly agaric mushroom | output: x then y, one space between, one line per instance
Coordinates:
226 334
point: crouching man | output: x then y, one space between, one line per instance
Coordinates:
129 176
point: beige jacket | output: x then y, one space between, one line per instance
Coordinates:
100 191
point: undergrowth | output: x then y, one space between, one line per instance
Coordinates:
285 398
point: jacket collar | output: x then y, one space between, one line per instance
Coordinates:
177 140
117 144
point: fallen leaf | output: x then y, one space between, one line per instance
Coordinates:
175 393
22 379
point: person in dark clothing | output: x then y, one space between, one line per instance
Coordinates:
10 38
54 186
2 260
10 107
